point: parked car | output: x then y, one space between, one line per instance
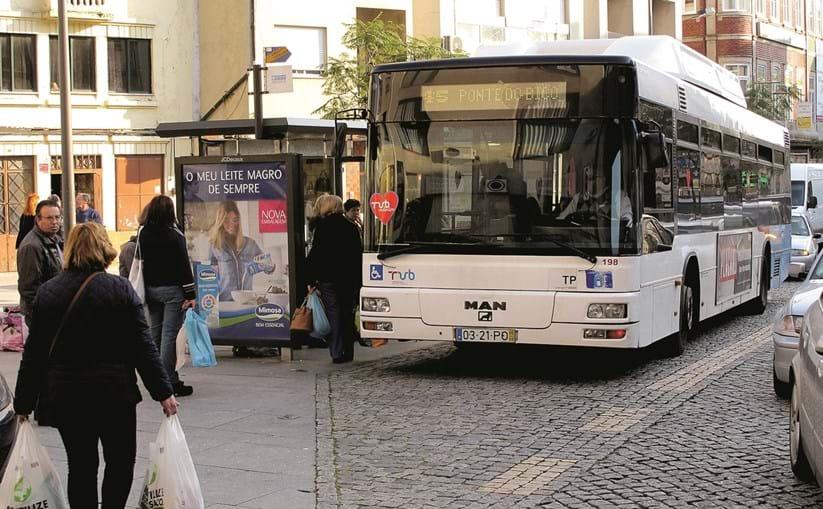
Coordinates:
804 242
806 415
8 423
788 324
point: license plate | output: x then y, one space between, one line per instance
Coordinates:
485 335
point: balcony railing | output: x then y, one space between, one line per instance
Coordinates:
86 9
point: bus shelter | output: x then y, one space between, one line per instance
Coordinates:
244 205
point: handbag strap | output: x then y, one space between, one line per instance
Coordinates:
137 252
71 307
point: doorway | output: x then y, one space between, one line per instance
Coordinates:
16 182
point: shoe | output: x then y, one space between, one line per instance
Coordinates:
181 389
342 360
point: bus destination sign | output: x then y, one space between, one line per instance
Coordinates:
494 96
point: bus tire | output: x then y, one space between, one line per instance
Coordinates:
689 302
758 305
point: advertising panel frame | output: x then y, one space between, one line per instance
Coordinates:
735 270
294 230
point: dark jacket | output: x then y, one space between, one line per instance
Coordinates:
336 254
107 329
166 258
26 225
38 260
127 256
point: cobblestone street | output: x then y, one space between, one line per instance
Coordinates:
524 427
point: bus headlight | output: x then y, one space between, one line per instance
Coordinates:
607 311
375 304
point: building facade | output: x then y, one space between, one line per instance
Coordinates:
770 44
131 68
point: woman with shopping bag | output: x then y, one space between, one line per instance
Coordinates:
88 337
335 267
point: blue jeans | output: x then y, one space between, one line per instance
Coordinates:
165 305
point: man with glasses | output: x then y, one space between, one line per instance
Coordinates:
39 257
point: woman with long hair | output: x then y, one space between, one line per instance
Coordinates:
80 361
335 266
169 281
238 258
27 218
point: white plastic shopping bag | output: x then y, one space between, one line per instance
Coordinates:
182 345
171 481
30 479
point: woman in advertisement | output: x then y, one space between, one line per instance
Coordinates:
335 265
238 258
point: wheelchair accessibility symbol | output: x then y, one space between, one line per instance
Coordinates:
376 273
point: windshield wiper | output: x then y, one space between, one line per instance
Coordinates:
568 247
412 246
400 250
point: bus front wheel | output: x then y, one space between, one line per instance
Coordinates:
690 294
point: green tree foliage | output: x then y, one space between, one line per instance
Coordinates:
372 42
772 100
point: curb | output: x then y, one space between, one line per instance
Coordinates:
325 469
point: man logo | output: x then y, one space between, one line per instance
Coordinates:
484 316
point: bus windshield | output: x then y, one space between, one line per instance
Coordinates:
798 189
506 186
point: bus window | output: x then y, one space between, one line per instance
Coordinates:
660 114
687 131
764 153
816 190
687 165
732 193
731 144
711 190
749 149
711 138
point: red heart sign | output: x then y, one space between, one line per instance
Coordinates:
383 206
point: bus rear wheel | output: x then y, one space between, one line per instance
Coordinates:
758 305
676 344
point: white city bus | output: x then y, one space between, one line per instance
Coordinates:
607 193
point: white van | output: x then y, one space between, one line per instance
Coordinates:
807 191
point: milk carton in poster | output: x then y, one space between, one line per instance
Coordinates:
208 290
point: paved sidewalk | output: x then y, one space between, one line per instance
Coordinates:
250 426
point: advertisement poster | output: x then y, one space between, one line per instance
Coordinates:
818 86
734 265
236 223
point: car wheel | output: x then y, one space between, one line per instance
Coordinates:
800 463
676 344
782 389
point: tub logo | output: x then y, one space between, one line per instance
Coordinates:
207 275
269 312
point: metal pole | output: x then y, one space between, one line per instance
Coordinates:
67 159
252 49
257 71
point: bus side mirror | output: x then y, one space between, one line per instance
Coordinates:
654 148
812 203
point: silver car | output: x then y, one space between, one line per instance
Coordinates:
787 326
806 415
804 242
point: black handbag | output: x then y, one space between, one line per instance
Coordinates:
44 408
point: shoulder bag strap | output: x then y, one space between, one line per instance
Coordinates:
71 307
137 252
